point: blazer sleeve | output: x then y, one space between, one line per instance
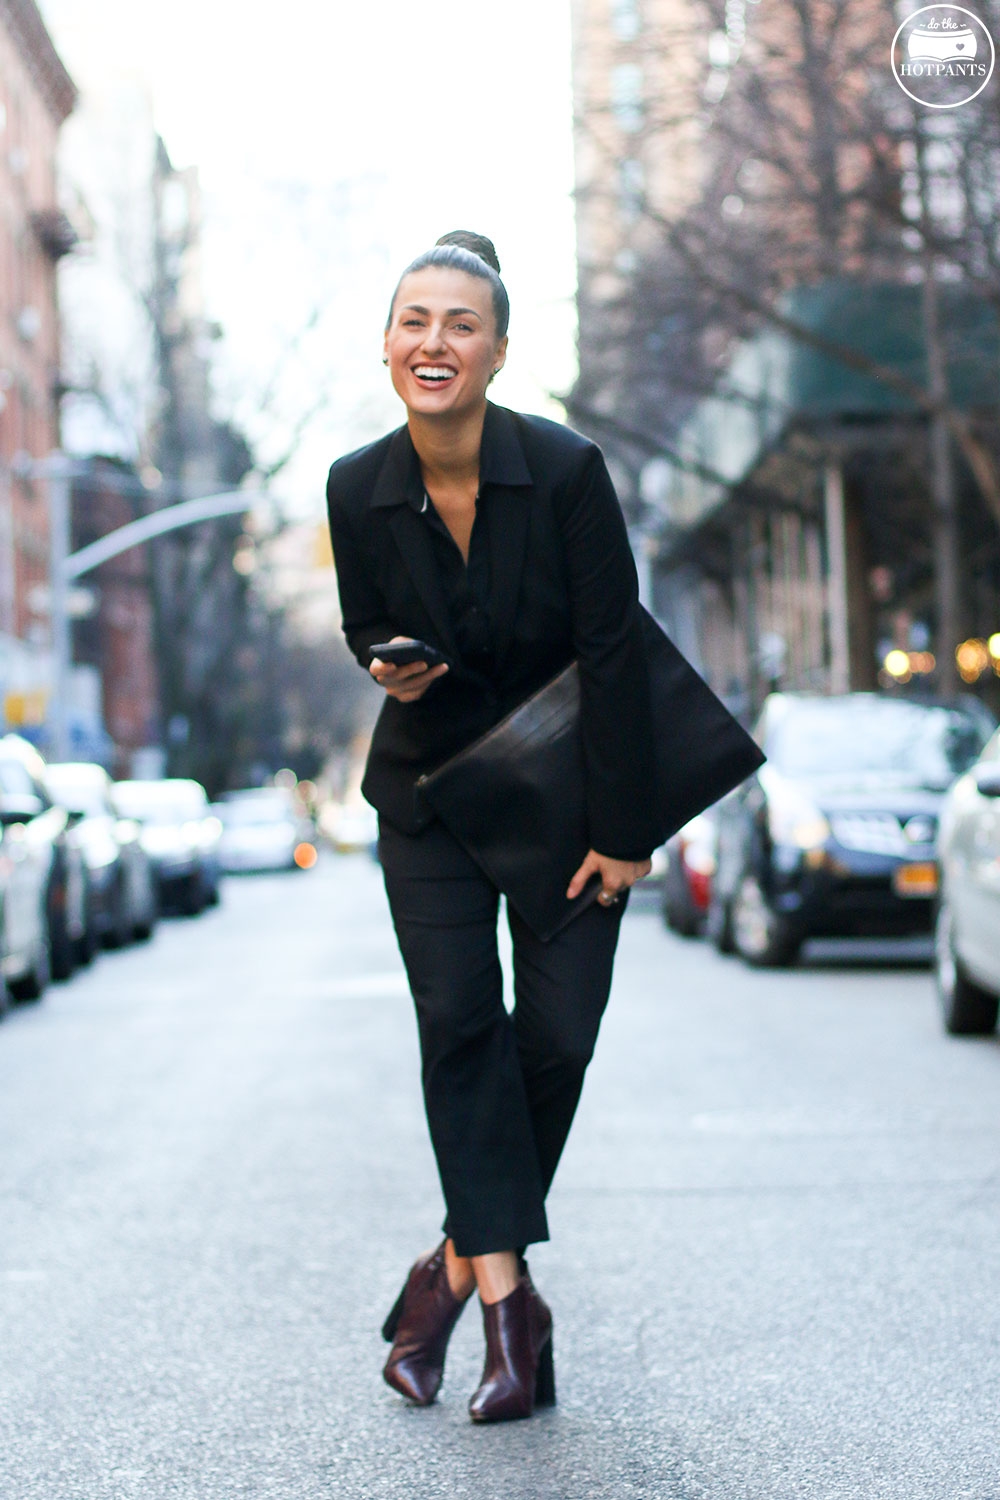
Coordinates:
364 615
616 713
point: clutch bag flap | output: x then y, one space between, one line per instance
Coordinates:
516 800
516 797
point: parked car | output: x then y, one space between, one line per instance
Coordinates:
687 877
181 836
350 826
122 884
967 932
264 828
836 834
45 883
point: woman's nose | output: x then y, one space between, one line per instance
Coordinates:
434 336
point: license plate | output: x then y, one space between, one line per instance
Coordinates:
915 880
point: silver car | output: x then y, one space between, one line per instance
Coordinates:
264 828
123 896
180 835
967 939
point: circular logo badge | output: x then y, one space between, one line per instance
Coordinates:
942 56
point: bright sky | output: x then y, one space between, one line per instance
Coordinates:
334 142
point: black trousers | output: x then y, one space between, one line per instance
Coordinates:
500 1089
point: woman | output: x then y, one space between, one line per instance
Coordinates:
496 538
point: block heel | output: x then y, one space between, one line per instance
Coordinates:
392 1321
545 1378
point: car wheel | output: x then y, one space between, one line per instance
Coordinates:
31 986
61 948
679 915
967 1009
761 936
87 943
143 931
719 924
192 900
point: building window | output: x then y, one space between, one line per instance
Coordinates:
625 21
626 96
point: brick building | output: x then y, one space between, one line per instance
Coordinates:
637 70
36 95
115 640
793 524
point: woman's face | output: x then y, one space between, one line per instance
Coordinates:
442 343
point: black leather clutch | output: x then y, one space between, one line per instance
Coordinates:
516 800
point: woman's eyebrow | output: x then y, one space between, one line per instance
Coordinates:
453 312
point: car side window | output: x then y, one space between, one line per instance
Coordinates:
16 780
21 797
991 750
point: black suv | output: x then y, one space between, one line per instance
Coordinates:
836 835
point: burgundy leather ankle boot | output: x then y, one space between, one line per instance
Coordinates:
419 1328
519 1373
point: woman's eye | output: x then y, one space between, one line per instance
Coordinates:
463 327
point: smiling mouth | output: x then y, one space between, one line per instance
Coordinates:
434 374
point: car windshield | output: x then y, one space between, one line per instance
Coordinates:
159 802
911 742
251 811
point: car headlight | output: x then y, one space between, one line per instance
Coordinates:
796 821
209 833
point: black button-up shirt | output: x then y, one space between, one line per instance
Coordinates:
466 585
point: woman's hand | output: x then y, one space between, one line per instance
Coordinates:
406 684
616 876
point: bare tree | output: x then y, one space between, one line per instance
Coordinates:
815 168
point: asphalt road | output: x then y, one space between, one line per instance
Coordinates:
775 1257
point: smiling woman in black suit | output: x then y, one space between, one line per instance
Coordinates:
498 539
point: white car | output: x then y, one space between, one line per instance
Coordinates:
350 826
967 936
180 835
264 829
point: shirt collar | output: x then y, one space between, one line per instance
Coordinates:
501 462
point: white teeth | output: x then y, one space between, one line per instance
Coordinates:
433 372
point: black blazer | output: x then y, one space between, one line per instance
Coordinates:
563 585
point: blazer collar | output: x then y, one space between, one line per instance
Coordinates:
501 461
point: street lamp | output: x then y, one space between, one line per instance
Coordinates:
65 566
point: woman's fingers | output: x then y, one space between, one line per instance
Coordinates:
590 866
387 671
409 685
617 875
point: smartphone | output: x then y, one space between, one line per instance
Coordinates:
402 653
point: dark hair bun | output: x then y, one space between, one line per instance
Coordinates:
467 239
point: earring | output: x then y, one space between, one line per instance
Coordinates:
498 369
385 359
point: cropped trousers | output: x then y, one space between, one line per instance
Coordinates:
500 1089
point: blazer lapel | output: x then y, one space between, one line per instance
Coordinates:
505 470
508 525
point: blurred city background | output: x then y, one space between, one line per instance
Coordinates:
780 272
741 255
